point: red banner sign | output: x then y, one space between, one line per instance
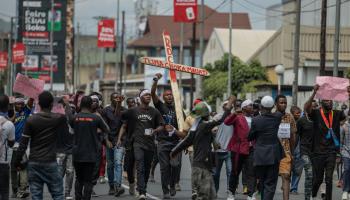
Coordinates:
106 33
3 60
185 11
18 50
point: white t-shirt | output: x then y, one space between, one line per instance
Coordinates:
7 133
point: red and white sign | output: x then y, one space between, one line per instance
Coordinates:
185 11
3 60
18 50
28 86
106 34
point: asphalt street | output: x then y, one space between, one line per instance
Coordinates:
155 192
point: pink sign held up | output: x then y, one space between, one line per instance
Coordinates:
28 86
332 88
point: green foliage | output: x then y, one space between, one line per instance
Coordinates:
242 74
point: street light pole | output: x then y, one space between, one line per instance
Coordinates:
10 66
229 92
336 38
296 53
51 44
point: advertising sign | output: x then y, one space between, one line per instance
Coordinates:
185 11
3 60
18 53
106 33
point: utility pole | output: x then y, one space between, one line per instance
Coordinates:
117 47
122 53
229 65
296 52
102 63
201 49
77 65
193 54
181 51
323 38
51 44
10 66
336 38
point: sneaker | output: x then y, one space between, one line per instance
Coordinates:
151 179
132 188
166 196
142 197
111 190
68 197
345 196
294 192
230 196
93 194
194 195
177 187
119 191
22 194
245 190
172 192
251 198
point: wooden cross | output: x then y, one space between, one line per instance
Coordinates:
173 67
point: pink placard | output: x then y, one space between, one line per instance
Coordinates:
332 88
28 86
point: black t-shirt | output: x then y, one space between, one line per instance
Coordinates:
322 145
169 116
113 120
305 132
86 138
44 129
138 120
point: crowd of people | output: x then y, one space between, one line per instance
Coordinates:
72 140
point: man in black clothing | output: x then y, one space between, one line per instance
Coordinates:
167 139
326 142
264 130
112 116
42 131
86 147
143 122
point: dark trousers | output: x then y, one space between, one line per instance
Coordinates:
323 166
96 173
169 171
143 160
129 164
346 174
83 183
237 161
268 177
4 181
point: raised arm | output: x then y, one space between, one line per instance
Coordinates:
155 97
308 104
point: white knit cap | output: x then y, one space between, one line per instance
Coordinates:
246 103
267 102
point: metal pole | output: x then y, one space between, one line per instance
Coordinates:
102 63
9 70
323 38
76 66
201 49
122 54
229 65
193 49
117 47
279 84
51 44
296 53
336 38
181 52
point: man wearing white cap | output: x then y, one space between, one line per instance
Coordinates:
264 130
240 147
143 122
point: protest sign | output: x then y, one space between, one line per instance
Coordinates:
28 87
332 88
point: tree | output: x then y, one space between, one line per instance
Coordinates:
216 84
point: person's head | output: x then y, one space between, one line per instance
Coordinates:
314 104
247 107
196 101
267 104
296 112
281 103
238 104
86 103
45 100
202 110
4 103
77 97
344 107
19 103
130 102
327 104
168 96
116 98
95 102
145 96
256 106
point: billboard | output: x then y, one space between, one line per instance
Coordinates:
185 11
34 26
3 59
106 33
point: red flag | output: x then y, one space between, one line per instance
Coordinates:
3 60
18 50
185 11
105 33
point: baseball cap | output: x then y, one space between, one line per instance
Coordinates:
202 109
267 102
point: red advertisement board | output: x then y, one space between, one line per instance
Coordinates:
185 11
3 60
106 33
18 51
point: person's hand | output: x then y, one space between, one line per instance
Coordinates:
65 99
172 155
316 87
158 75
109 144
169 128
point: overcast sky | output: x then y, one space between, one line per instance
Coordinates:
87 9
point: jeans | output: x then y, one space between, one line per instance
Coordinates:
323 166
220 158
65 168
308 176
19 179
118 165
110 166
202 181
84 177
346 174
129 164
40 173
297 169
143 160
102 169
4 181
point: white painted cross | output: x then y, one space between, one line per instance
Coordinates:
173 67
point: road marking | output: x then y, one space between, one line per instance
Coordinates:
148 195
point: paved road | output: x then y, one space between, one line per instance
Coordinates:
154 189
